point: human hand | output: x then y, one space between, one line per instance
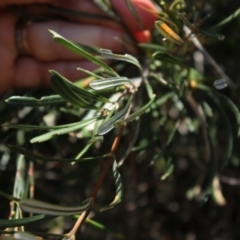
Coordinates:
32 70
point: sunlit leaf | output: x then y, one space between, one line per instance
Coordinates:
58 79
89 73
59 84
72 93
39 127
33 102
65 130
70 45
108 54
109 124
109 82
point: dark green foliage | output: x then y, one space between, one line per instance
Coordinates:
164 138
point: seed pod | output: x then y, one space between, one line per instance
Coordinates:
168 33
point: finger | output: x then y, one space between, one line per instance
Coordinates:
83 11
44 48
8 2
145 10
7 47
31 73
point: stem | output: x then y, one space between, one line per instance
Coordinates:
106 167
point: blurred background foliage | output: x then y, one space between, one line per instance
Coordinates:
179 162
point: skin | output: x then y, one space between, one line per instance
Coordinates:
32 70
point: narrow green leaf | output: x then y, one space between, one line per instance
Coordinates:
39 127
36 206
67 93
58 80
166 57
20 222
163 99
152 46
212 34
134 13
211 167
140 111
227 124
95 224
70 45
49 135
168 172
84 150
233 108
89 73
96 139
171 135
108 54
109 124
89 49
47 159
105 6
100 84
100 226
227 20
33 102
8 196
119 187
118 184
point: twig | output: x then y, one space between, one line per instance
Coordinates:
106 167
209 58
229 180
